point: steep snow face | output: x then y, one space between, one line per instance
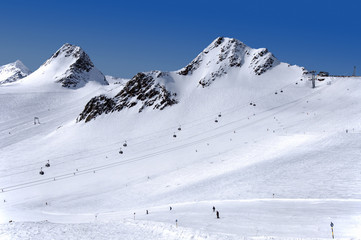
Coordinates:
226 53
225 60
13 71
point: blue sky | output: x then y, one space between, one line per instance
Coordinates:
126 37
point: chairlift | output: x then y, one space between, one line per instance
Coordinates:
254 104
250 103
216 120
41 171
281 91
120 151
219 115
47 164
179 128
275 92
174 135
125 144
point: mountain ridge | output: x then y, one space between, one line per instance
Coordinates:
217 60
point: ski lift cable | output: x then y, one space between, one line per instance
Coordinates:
82 158
67 161
67 155
114 164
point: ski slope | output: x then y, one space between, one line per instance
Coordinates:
283 169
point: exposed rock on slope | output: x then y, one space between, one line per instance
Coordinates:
13 71
225 53
142 90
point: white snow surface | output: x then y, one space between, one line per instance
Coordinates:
283 169
13 71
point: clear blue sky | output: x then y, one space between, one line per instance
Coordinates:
126 37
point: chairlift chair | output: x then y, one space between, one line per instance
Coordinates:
47 164
174 135
281 91
41 171
120 151
216 120
179 128
125 144
219 115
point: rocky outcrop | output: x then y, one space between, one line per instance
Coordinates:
142 91
263 61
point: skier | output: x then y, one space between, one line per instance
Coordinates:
214 208
146 211
170 208
217 213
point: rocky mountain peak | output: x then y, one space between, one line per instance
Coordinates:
224 54
80 68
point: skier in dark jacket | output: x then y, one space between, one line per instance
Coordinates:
217 214
214 208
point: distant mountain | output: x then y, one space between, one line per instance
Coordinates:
13 71
225 59
70 67
76 67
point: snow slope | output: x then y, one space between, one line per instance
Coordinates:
281 168
13 71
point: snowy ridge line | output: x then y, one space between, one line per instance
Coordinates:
188 138
200 120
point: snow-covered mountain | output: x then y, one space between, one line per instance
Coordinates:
277 158
69 67
13 71
225 53
223 58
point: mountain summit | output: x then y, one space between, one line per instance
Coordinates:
13 71
69 66
225 53
76 68
225 62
